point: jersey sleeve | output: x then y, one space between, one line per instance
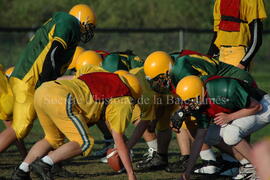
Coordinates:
181 69
216 14
67 30
255 10
240 95
119 113
147 100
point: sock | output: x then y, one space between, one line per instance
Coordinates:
47 160
227 157
208 155
24 167
244 161
152 144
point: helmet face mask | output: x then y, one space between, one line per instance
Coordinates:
87 32
193 104
161 83
87 19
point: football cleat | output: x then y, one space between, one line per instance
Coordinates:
246 171
156 162
59 171
207 167
179 166
148 155
19 174
42 169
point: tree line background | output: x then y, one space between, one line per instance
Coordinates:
137 14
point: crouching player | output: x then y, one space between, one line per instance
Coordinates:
231 108
65 107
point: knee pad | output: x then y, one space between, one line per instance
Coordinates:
231 135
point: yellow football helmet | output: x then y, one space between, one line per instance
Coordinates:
87 19
190 87
79 50
158 62
88 57
9 71
133 83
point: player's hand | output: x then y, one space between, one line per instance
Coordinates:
222 119
174 129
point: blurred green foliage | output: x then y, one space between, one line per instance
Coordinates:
121 14
113 13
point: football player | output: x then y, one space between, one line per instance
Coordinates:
46 57
6 105
164 72
66 107
227 110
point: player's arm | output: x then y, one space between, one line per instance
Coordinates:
253 108
137 133
195 151
53 63
256 31
213 49
203 122
123 153
118 114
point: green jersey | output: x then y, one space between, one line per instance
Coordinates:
63 28
121 61
225 95
200 65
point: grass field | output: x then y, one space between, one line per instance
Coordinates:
90 168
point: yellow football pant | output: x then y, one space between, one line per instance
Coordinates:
60 117
190 123
23 110
164 112
232 55
6 99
